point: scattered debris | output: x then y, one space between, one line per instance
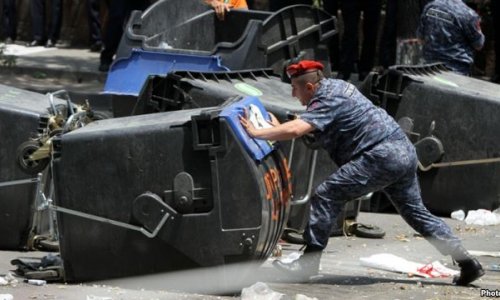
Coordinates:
393 263
458 215
495 268
278 251
8 279
92 297
36 282
48 267
259 291
402 238
483 217
304 297
290 257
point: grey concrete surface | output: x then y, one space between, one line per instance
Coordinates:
45 70
342 276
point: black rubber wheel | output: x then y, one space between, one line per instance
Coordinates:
368 231
47 245
31 167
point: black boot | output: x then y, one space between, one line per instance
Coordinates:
303 268
470 268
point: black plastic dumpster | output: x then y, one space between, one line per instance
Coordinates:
184 90
167 191
246 39
23 115
454 123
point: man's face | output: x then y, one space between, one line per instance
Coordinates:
302 91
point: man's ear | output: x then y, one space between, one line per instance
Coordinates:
309 86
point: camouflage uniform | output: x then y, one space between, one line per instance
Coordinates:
372 153
450 31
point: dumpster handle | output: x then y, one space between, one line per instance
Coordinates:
312 169
458 163
68 100
290 156
70 120
109 221
21 181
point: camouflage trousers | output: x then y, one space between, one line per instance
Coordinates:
389 166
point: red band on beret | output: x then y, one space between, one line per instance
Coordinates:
303 67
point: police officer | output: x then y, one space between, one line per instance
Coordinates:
389 35
495 12
119 11
450 32
332 7
351 13
222 6
9 21
40 38
93 13
372 152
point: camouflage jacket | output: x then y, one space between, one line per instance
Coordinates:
450 31
346 122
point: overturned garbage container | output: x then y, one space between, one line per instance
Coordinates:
128 76
168 191
245 39
185 90
23 117
454 123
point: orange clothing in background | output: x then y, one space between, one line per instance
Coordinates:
236 3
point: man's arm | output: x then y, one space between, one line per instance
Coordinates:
219 7
285 131
478 43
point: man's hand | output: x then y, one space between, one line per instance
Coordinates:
245 122
274 121
281 132
220 8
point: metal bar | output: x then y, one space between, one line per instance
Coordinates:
70 120
290 156
39 191
459 163
16 182
51 102
112 222
312 169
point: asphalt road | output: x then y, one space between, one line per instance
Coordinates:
342 276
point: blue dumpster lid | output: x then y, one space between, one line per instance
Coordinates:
128 75
257 148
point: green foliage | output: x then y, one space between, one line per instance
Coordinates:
39 75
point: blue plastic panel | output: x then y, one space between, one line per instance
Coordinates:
257 148
128 75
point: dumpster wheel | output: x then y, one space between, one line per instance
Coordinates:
23 154
45 243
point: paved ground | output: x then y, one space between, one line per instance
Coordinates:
342 276
49 69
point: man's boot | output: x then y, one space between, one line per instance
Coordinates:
304 267
470 268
